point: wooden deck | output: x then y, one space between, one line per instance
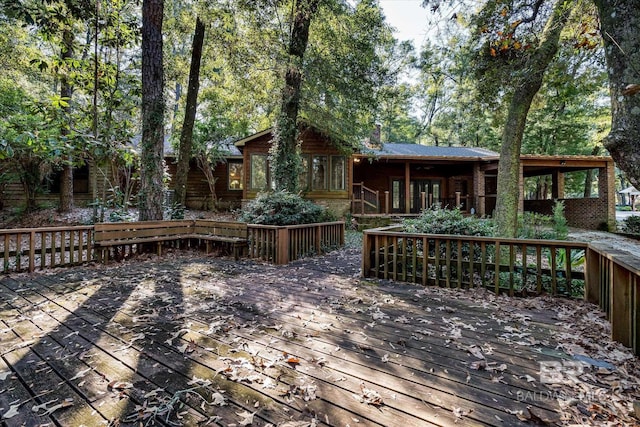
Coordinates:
208 341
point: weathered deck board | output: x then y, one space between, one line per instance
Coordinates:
158 325
135 365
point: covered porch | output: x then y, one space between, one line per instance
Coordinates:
404 184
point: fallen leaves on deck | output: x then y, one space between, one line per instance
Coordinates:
312 335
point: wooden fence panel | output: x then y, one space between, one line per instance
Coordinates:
512 266
283 244
47 247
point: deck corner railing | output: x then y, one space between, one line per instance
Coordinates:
283 244
603 276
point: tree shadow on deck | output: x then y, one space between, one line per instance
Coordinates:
210 340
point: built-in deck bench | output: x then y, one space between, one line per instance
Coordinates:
128 237
230 233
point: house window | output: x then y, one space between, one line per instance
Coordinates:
338 169
304 173
259 172
80 181
236 175
319 173
396 194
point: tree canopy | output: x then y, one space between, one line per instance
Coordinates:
78 64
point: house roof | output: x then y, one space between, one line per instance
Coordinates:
631 191
226 147
243 141
397 150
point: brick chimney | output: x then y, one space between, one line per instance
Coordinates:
374 139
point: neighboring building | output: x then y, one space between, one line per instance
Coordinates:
13 194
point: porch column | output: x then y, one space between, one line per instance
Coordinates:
557 185
607 191
407 192
521 188
479 189
349 177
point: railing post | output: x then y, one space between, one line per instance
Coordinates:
592 276
620 305
386 202
32 251
318 239
457 199
366 254
423 200
362 198
430 199
282 246
377 201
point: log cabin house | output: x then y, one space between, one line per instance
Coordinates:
402 179
386 180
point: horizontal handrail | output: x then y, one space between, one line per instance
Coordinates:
290 227
44 229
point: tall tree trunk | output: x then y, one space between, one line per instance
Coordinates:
93 165
151 171
509 165
186 137
619 22
286 163
66 92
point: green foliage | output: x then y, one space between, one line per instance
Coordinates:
283 208
632 225
533 225
560 228
174 211
448 221
30 144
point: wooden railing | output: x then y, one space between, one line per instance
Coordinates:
28 249
602 275
283 244
363 198
614 285
514 266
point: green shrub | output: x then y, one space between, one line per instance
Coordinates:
533 225
632 225
283 208
560 227
448 221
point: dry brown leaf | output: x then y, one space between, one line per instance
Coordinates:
369 396
12 412
246 418
119 385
